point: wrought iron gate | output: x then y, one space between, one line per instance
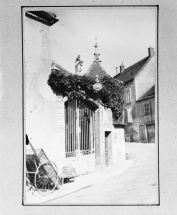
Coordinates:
80 135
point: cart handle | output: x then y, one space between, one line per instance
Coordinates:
33 148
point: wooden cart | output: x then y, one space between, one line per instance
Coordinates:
41 173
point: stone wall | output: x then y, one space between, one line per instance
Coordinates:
116 150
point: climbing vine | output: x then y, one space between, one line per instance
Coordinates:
81 87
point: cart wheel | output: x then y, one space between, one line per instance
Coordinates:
46 178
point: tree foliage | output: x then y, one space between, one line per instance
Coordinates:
81 87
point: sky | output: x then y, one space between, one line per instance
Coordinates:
123 35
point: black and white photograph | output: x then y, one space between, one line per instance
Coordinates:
90 106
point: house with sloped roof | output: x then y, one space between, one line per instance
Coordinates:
139 81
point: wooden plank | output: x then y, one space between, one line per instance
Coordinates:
94 130
90 129
70 127
74 122
82 129
86 145
65 129
77 124
86 134
91 132
75 146
69 111
77 140
67 126
81 133
72 140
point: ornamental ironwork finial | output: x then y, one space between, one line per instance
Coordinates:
96 55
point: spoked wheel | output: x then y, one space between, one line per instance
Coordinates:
46 178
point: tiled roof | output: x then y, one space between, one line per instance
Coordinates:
96 69
149 93
130 72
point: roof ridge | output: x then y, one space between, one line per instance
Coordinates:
137 62
132 71
148 59
131 66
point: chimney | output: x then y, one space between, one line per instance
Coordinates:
151 52
122 67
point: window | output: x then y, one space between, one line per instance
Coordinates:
146 110
128 95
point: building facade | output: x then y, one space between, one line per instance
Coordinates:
70 136
145 107
138 80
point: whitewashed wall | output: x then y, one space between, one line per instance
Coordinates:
117 138
44 113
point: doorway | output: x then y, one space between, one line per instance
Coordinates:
150 133
142 133
107 146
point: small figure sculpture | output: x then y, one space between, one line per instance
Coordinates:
78 64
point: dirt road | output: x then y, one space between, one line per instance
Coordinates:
137 185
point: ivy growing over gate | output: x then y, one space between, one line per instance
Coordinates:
81 87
